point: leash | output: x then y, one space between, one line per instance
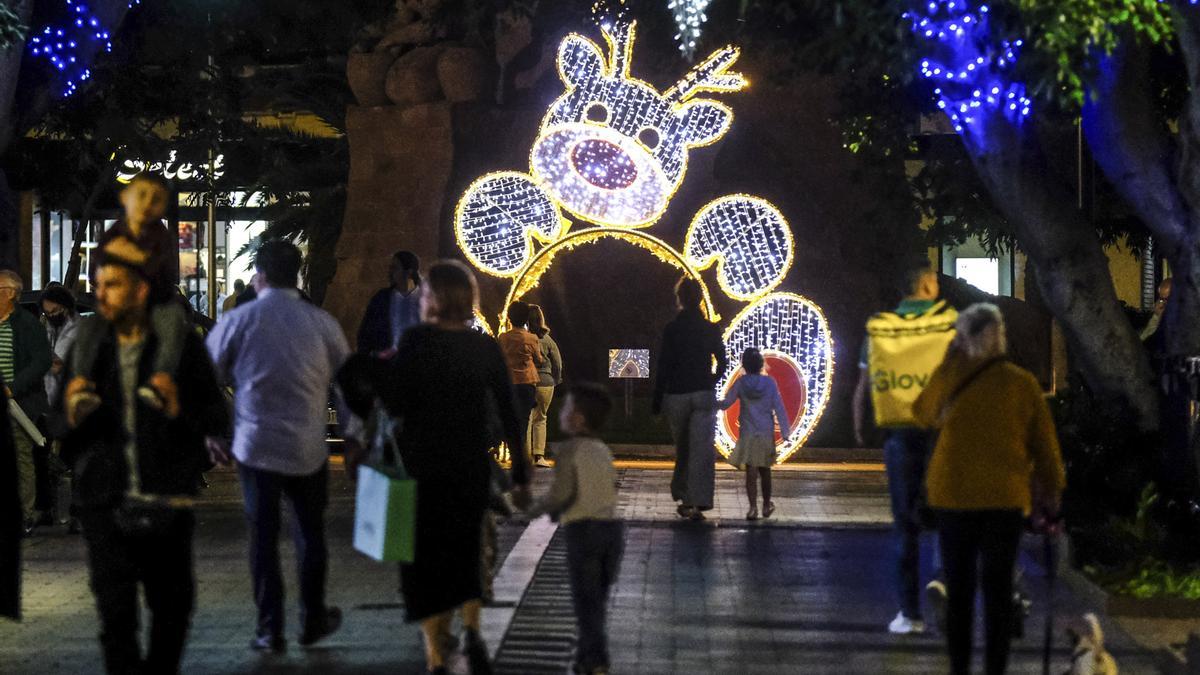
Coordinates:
1051 576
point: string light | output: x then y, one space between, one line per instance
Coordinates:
68 46
689 18
971 73
792 328
748 239
533 272
612 152
498 216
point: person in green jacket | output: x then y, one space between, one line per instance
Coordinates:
24 362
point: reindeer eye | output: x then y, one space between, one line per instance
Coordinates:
597 112
649 137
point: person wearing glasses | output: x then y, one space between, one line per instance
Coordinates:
24 361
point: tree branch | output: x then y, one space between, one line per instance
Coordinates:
1072 270
1188 29
10 66
35 95
1131 147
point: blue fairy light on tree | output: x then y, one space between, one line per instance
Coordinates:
67 44
971 72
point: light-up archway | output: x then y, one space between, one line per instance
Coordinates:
609 157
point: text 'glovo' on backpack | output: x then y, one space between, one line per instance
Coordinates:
902 353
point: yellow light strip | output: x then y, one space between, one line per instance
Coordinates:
528 278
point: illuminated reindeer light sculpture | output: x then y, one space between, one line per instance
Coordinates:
611 152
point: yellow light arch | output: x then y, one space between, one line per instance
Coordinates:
531 274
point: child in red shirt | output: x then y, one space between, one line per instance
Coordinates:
144 241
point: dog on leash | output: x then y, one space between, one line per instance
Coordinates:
1088 656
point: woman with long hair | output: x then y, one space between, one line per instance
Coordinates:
996 461
549 376
444 383
686 390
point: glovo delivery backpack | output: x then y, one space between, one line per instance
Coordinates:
902 353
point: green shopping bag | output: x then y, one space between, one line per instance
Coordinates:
385 513
385 504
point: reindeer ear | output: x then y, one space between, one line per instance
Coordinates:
579 61
703 122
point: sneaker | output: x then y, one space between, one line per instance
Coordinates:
902 625
542 462
935 598
274 644
477 653
752 514
315 632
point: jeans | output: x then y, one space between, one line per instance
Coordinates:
693 421
524 400
979 545
308 496
906 454
162 564
26 472
537 424
593 559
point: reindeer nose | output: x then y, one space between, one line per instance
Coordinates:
603 164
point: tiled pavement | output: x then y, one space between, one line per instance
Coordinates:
59 631
806 593
852 498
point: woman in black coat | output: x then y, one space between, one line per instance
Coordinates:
446 385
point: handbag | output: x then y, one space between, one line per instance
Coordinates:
385 504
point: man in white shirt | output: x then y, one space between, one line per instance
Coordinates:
281 354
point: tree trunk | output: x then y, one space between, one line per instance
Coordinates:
1072 270
10 68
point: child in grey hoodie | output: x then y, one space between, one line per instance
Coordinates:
761 407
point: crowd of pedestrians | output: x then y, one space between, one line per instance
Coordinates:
141 409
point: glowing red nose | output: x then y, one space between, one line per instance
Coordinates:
603 164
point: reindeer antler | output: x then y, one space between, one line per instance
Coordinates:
619 36
712 75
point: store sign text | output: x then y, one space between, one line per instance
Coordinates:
172 169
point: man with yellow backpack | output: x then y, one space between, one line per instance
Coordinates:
902 349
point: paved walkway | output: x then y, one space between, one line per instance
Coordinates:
806 592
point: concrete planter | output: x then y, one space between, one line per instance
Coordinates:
413 78
366 74
1158 608
466 74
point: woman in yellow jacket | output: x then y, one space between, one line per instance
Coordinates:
997 459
